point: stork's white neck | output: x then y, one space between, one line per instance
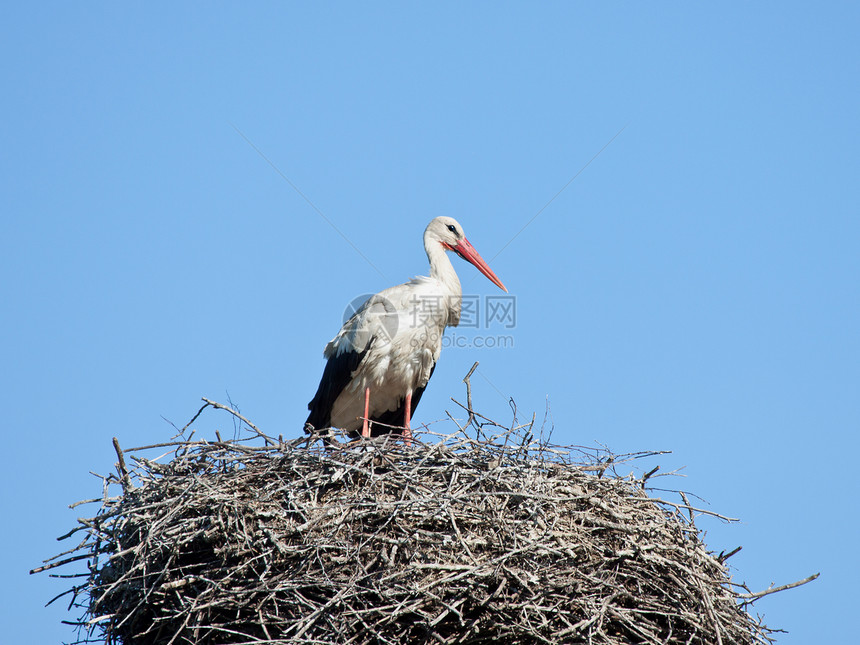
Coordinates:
442 270
441 267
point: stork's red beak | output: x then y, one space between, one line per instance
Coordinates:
466 251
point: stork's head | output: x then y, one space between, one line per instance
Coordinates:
447 232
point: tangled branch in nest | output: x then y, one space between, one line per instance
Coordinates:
457 539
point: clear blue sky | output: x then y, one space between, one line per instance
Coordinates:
695 289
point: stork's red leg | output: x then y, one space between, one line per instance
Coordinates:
407 418
365 427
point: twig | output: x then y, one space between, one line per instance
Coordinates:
123 471
725 556
220 406
772 589
194 418
467 380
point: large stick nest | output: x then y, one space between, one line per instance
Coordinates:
454 539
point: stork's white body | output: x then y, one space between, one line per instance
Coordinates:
384 355
397 362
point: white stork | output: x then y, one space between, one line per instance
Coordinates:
382 358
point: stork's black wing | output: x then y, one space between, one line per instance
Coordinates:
377 317
336 376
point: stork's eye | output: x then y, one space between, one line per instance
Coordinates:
452 228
